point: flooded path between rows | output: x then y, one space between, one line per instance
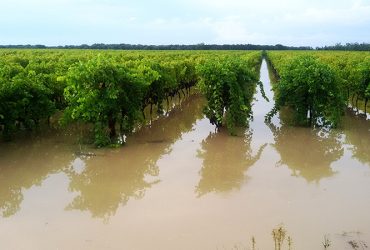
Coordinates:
178 184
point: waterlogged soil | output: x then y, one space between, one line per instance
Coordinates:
179 184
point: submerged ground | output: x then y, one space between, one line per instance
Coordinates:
178 184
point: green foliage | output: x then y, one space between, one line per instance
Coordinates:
24 100
350 67
102 92
310 88
50 73
164 85
228 84
111 90
363 89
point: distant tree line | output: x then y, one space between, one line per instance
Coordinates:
200 46
347 46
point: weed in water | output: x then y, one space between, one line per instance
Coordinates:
326 243
290 243
253 243
278 235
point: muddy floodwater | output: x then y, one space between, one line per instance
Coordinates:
178 184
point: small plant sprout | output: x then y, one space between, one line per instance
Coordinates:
278 235
253 243
290 243
326 243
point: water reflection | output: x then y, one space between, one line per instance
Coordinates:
109 181
357 134
168 129
308 153
225 160
105 184
23 165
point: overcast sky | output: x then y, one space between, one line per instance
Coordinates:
288 22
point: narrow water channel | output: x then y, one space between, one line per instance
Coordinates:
178 184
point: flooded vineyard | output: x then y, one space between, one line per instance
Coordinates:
179 184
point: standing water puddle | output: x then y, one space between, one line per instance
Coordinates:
180 185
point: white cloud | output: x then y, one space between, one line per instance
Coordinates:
227 30
292 22
344 16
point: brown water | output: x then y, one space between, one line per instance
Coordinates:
179 185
